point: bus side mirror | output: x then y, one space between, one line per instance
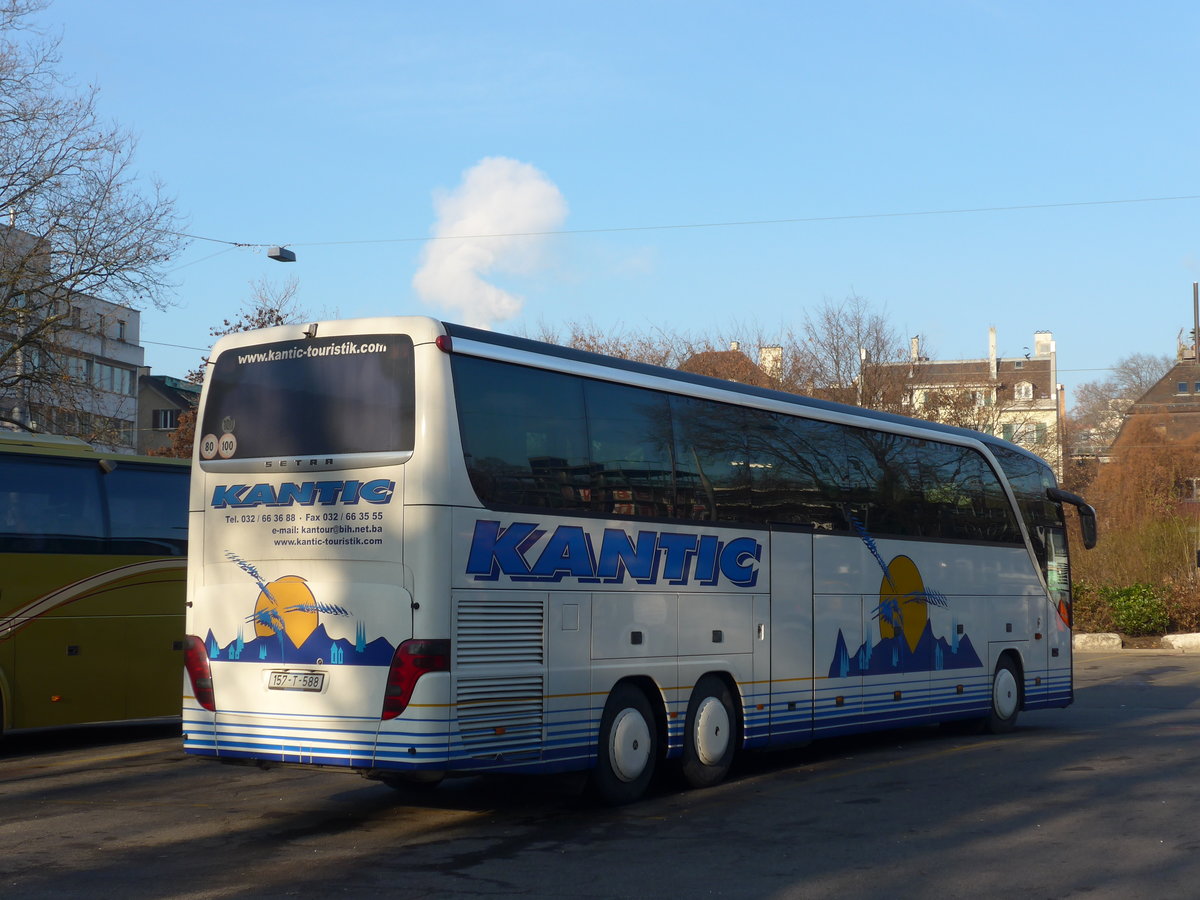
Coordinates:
1087 524
1087 515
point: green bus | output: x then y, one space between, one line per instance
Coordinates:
93 549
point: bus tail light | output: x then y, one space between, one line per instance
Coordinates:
411 660
195 660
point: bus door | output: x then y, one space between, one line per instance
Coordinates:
791 624
848 652
1053 657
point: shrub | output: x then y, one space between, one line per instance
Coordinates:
1183 605
1138 609
1090 613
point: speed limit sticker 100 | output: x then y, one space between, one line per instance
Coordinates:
211 447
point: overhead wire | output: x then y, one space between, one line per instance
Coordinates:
178 346
195 262
735 223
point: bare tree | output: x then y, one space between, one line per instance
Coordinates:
845 351
848 351
718 356
982 410
1135 374
1100 405
657 347
269 305
79 220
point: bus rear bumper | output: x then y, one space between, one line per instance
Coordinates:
344 742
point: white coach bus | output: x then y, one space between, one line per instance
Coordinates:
420 549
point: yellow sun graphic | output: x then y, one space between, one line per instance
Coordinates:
902 602
287 600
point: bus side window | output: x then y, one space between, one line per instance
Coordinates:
147 510
629 437
807 460
883 485
51 506
524 434
714 457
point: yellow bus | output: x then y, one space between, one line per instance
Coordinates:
92 572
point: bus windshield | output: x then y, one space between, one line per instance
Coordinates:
314 396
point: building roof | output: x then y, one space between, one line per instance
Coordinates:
182 394
1175 397
732 365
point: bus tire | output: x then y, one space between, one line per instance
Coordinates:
627 749
1006 696
710 735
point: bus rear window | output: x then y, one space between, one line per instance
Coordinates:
321 396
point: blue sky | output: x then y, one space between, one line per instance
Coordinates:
345 131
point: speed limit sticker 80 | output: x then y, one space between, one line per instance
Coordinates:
211 446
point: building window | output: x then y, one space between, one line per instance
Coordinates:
120 329
1182 388
77 368
1039 433
165 419
1008 432
1023 391
112 378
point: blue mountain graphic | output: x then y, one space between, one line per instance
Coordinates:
319 646
891 656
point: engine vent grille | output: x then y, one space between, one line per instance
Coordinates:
500 631
500 678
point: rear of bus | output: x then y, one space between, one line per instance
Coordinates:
314 631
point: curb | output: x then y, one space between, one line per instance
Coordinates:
1096 642
1182 641
1113 642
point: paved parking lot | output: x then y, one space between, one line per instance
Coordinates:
1100 798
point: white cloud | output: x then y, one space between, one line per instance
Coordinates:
497 196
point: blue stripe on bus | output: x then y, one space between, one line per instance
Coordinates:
567 739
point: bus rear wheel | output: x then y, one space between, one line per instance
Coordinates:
710 735
1006 697
628 747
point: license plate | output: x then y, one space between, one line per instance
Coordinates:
296 681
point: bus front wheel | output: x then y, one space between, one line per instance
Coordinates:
628 747
1006 697
710 735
